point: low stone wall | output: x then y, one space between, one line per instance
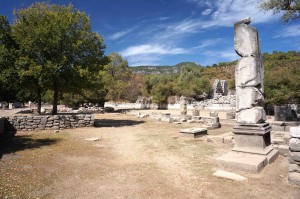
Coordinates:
48 122
294 159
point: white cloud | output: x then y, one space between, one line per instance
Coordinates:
120 34
165 37
207 11
226 12
210 42
149 54
289 31
152 49
212 57
146 59
163 18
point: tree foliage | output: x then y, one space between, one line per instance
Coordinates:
290 8
58 51
9 86
120 83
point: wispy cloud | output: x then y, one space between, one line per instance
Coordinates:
120 34
149 54
212 57
289 31
152 49
163 18
207 11
209 42
165 38
225 12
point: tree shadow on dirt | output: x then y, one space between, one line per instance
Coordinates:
9 145
115 123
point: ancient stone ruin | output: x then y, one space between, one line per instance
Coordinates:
294 159
220 88
183 105
252 148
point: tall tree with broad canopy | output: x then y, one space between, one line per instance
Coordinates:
116 76
58 50
289 8
8 74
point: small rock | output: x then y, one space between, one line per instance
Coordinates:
92 139
56 131
230 176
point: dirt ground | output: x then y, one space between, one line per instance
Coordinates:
134 158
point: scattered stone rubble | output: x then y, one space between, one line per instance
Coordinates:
208 122
53 122
294 159
280 135
224 100
89 109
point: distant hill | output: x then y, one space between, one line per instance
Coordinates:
162 69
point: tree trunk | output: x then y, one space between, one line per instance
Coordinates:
39 101
55 100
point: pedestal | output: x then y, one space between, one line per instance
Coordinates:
252 148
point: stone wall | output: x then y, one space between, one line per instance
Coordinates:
294 159
50 122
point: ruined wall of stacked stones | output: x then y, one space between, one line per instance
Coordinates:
294 159
53 122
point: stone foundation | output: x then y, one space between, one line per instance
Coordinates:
48 122
294 159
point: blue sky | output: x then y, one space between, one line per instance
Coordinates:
167 32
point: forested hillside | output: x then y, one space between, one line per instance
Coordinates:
282 78
162 69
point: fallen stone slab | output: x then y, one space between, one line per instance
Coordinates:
194 132
283 150
295 132
227 138
294 144
230 176
92 139
294 178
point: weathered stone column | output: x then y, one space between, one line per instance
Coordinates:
252 144
183 105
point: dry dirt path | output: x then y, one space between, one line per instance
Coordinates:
134 158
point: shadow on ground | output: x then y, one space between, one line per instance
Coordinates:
18 143
115 123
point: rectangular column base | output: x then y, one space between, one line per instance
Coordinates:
249 162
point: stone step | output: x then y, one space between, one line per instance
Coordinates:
283 150
230 176
279 141
280 137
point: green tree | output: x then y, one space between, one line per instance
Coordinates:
58 51
116 76
8 73
290 8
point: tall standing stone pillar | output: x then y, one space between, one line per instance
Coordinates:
252 146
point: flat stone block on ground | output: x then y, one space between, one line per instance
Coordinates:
294 144
243 161
230 176
92 139
294 168
194 132
294 178
283 150
295 132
